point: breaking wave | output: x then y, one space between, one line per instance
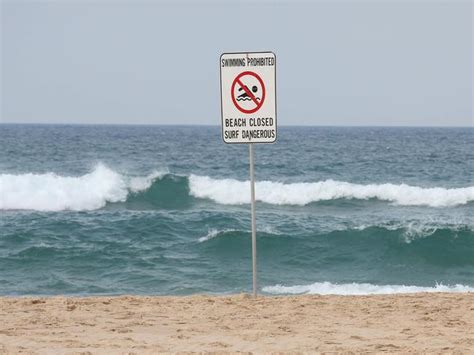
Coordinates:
52 192
328 288
230 191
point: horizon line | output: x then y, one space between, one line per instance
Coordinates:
218 125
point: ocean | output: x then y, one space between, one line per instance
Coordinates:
164 210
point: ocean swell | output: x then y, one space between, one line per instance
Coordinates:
52 192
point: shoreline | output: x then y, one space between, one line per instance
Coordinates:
416 322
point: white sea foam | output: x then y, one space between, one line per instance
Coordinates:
328 288
213 232
52 192
230 191
416 229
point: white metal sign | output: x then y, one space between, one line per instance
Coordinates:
248 97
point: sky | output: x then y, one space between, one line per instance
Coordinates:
355 63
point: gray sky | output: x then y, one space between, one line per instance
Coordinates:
338 62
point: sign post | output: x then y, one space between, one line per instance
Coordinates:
248 110
254 221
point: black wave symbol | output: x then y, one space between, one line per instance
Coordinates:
246 98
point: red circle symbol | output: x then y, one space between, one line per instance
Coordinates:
247 93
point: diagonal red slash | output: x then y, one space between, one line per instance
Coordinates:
247 91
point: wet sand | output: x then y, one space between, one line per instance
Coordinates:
431 323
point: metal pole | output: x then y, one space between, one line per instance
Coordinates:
254 224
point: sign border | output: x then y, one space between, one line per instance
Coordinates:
222 108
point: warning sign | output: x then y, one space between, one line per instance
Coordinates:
248 97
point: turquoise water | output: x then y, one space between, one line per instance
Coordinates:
165 210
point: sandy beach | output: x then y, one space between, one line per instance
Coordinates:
431 323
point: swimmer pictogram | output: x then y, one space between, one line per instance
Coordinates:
248 92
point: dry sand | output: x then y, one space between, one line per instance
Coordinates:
430 323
